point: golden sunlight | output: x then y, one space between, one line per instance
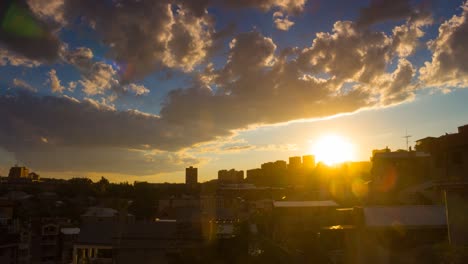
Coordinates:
333 149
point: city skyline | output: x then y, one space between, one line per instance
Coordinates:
259 81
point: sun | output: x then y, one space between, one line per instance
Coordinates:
333 149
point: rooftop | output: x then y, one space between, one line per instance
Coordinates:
128 235
401 154
326 203
408 216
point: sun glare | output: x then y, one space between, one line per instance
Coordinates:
333 149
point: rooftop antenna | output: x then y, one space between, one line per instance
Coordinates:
407 139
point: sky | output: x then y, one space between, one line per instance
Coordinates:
138 90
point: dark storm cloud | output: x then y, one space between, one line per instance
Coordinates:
63 121
108 160
60 133
384 10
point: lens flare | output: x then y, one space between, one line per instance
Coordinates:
18 22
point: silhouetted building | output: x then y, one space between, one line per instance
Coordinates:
270 174
230 176
18 172
456 204
9 237
297 223
308 162
385 234
191 176
152 242
46 244
254 175
105 215
34 177
449 155
295 163
393 172
68 236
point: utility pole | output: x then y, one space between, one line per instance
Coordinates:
407 139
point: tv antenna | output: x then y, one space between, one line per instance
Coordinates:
407 139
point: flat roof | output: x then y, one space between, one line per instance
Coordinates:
416 216
291 204
70 230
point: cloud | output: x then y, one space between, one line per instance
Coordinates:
24 85
283 7
281 21
344 70
105 160
406 37
54 81
37 43
269 147
288 6
62 133
81 58
398 87
449 64
65 121
50 10
9 58
137 89
99 78
72 86
384 10
144 36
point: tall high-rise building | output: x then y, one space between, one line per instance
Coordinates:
295 163
308 161
191 176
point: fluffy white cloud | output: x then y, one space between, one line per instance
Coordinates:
449 64
10 58
51 10
342 71
406 37
137 89
189 41
24 85
289 6
281 21
100 78
55 84
147 35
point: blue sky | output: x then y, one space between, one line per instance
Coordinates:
138 90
